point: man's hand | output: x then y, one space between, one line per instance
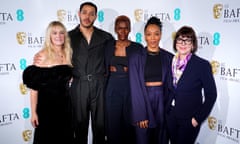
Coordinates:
38 59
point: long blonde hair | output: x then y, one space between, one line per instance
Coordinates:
48 45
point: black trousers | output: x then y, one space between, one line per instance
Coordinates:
181 130
88 101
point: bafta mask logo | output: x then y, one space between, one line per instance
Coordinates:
23 88
215 65
27 135
61 15
173 35
212 123
21 37
217 11
138 14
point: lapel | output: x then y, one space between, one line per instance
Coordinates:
165 65
187 71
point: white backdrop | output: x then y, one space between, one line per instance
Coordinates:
217 23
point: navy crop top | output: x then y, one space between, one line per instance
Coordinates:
119 62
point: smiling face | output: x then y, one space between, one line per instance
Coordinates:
152 35
57 36
185 41
184 46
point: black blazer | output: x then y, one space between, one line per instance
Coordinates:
189 99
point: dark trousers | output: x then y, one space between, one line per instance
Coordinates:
88 100
119 130
157 134
181 130
151 136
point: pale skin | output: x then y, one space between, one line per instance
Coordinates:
183 50
33 101
87 17
57 40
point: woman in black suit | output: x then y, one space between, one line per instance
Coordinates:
187 106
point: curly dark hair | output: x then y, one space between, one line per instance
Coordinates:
154 20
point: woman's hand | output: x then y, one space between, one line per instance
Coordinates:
194 122
34 120
143 124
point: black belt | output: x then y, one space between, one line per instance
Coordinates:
90 77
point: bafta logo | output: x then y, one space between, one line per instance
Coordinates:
61 15
21 37
212 123
138 14
217 11
23 88
173 35
215 65
27 135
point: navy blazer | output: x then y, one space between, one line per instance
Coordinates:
189 99
141 107
110 50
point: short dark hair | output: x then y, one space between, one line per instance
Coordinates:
186 31
154 20
122 18
90 4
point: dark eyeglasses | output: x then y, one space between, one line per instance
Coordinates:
185 41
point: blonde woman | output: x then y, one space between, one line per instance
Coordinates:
48 80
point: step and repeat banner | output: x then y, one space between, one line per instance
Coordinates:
217 24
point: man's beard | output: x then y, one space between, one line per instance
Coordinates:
87 26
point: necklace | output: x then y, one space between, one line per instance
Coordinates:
59 57
153 53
